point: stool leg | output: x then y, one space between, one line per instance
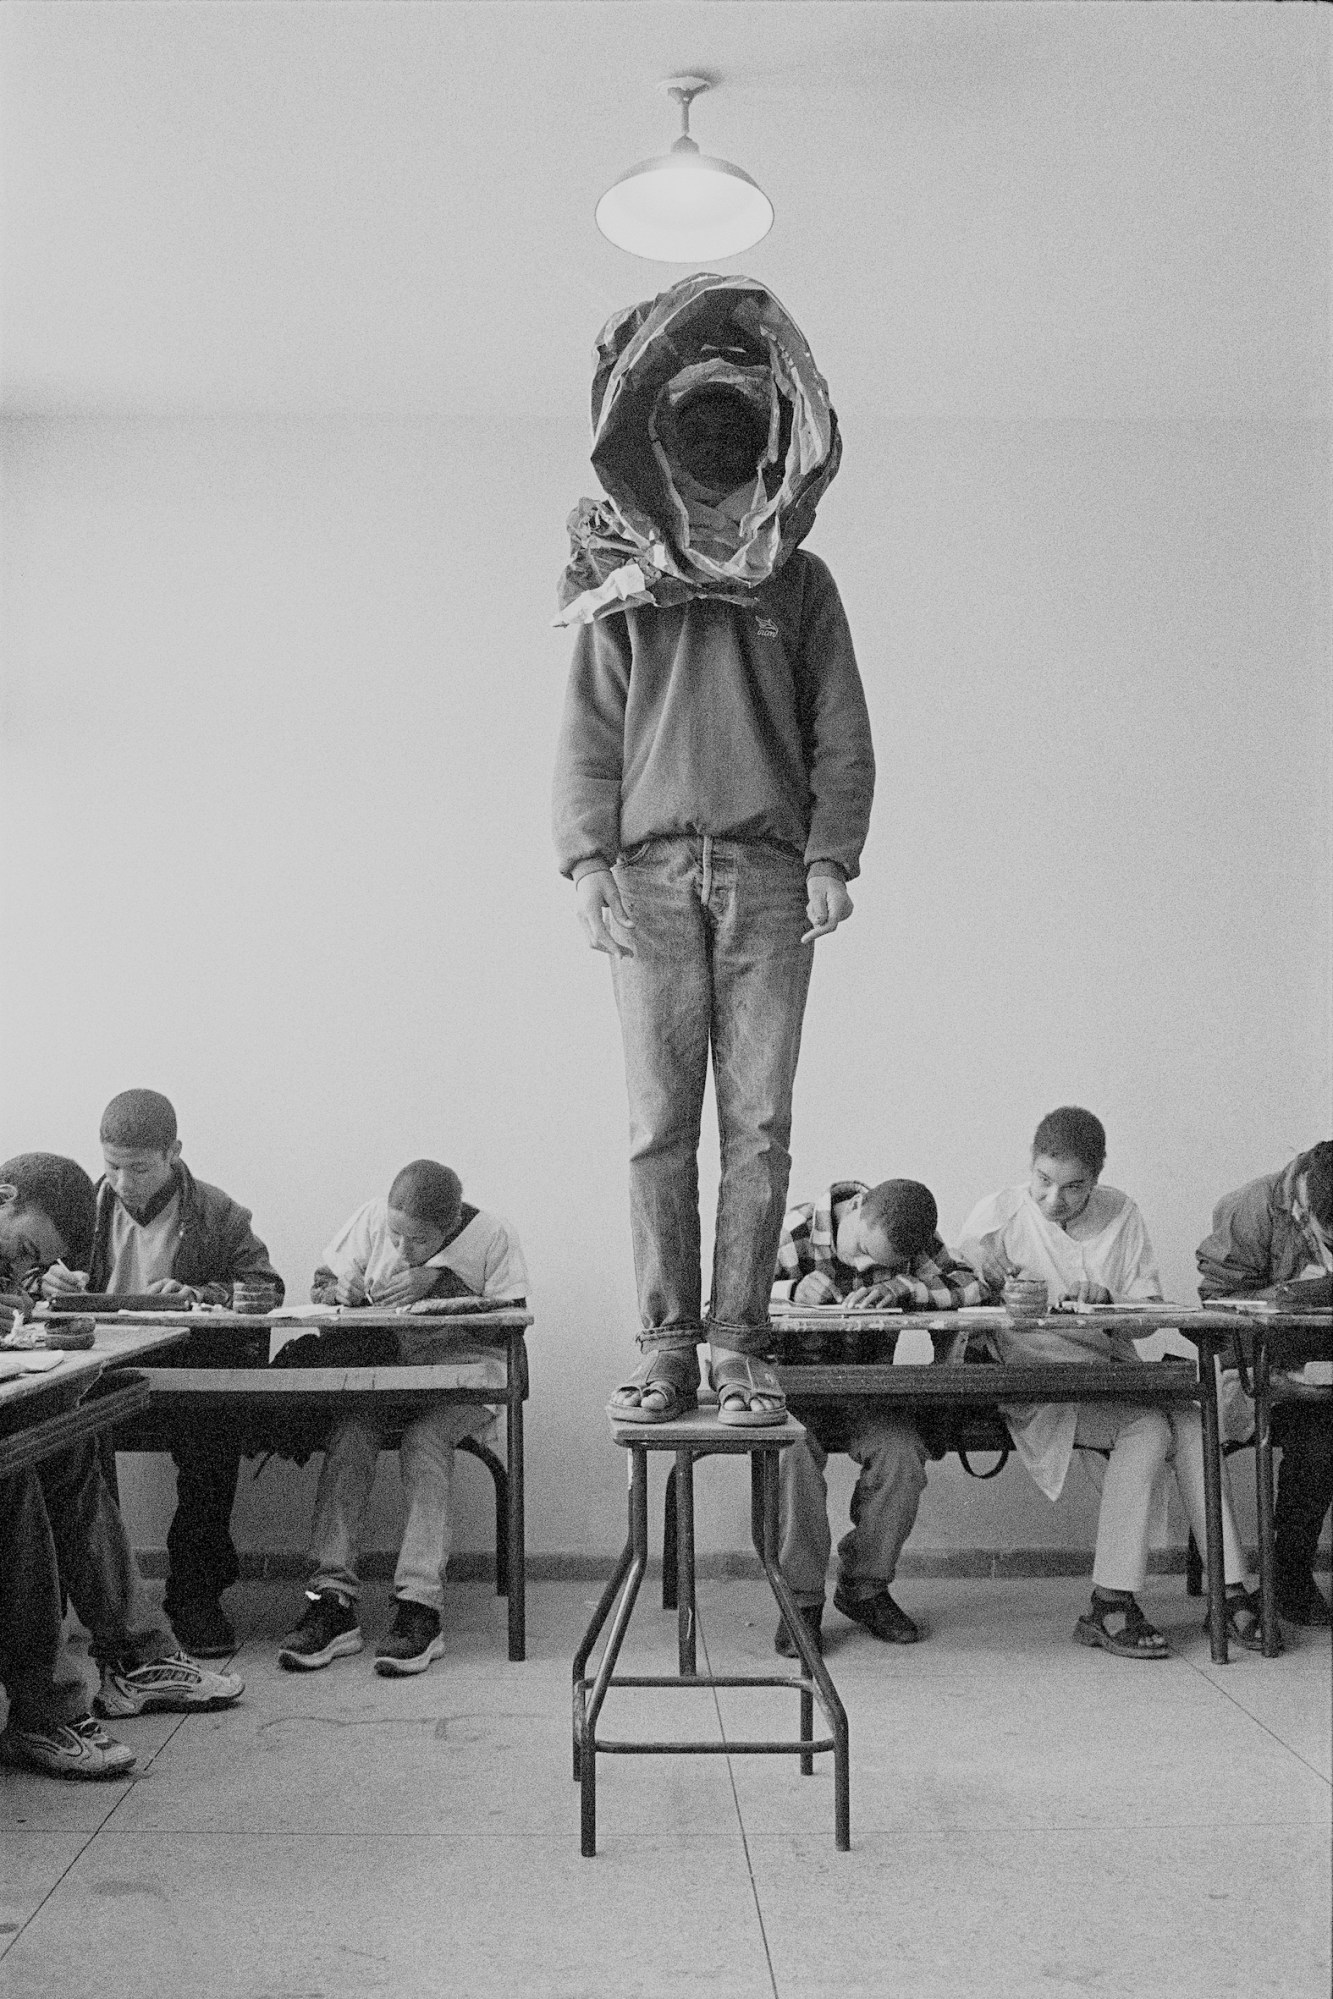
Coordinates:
584 1653
764 1520
615 1638
1193 1568
669 1545
682 1481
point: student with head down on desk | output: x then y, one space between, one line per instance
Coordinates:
860 1247
61 1533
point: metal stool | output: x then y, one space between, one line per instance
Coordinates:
691 1437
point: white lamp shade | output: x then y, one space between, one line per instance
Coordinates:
684 208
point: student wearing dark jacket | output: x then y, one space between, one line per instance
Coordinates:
61 1533
1273 1239
159 1229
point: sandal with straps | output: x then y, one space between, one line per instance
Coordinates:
1136 1638
673 1374
1245 1621
740 1379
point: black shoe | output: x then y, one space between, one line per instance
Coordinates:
203 1628
812 1617
328 1631
880 1615
413 1641
1301 1601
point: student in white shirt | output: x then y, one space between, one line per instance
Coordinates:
1088 1242
424 1242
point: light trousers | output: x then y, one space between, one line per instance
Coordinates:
426 1466
1140 1441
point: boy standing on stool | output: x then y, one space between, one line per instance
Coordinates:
862 1247
424 1242
159 1229
712 793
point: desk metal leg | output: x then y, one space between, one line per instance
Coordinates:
1263 1479
683 1481
764 1533
1212 1505
516 1563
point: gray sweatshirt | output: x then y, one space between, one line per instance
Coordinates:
747 722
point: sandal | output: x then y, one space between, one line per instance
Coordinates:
1135 1639
672 1374
739 1379
1245 1621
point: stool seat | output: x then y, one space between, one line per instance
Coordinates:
703 1431
698 1435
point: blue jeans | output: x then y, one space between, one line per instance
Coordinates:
718 963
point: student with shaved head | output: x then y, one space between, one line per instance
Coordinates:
158 1229
425 1241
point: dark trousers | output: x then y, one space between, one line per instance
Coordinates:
29 1604
201 1555
1304 1430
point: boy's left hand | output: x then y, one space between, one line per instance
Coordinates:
871 1295
168 1287
827 904
1090 1294
407 1287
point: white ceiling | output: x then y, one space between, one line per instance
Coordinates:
987 209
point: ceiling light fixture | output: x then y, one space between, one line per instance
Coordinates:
683 207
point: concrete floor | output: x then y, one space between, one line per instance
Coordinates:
1027 1817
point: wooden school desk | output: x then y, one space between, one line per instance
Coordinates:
41 1414
971 1386
273 1402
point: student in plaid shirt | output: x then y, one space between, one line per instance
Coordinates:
861 1247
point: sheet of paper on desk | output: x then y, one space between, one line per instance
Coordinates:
781 1305
1132 1306
14 1364
1263 1307
284 1312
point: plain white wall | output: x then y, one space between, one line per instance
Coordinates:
278 722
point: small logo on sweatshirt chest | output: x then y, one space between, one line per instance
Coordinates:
766 628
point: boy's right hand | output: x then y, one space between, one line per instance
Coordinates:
351 1290
606 921
994 1267
58 1282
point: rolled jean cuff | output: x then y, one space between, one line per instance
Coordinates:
670 1339
755 1340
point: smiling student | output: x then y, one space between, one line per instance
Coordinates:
1061 1228
424 1242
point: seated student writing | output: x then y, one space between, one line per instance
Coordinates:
425 1241
159 1229
1273 1239
1061 1228
61 1532
861 1247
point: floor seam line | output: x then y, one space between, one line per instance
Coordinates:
1272 1734
735 1798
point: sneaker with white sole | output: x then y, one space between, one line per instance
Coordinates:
79 1748
412 1642
175 1685
328 1631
